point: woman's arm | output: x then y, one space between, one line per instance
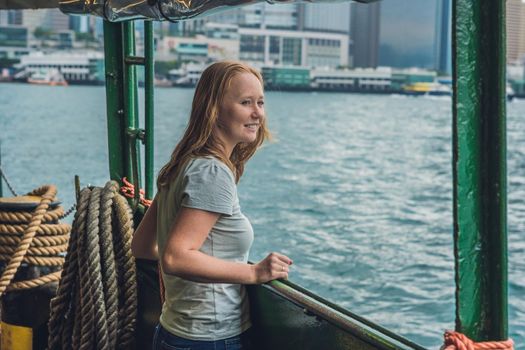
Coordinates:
183 258
144 243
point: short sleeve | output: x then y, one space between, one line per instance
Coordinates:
209 186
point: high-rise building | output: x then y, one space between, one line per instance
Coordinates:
293 47
14 17
79 24
407 33
515 31
56 20
51 19
4 19
334 17
33 19
364 33
443 42
260 15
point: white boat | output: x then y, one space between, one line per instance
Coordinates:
51 77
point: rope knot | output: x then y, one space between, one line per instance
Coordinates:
459 341
128 190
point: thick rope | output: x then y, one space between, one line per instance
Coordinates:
96 302
23 217
126 271
24 238
459 341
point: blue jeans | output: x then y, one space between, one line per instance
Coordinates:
164 340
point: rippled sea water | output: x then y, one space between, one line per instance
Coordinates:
357 189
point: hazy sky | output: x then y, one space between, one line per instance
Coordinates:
407 29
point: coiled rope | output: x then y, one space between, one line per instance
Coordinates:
34 238
95 306
459 341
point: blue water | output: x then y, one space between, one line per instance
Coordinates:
357 189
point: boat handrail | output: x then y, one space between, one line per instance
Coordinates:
340 317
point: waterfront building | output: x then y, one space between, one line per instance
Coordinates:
443 42
78 67
13 41
293 48
412 43
290 78
65 39
515 22
364 32
200 48
353 80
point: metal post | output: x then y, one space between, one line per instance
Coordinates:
149 79
117 124
131 99
479 168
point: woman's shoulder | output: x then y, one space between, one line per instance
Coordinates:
208 165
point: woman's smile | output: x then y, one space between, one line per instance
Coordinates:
252 127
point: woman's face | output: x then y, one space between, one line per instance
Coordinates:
242 111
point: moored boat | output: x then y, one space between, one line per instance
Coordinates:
429 89
51 77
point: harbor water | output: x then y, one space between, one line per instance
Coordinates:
356 189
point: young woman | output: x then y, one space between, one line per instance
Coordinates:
195 226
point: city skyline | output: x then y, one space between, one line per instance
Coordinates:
375 36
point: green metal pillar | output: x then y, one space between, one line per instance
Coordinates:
131 101
149 77
122 101
479 168
116 121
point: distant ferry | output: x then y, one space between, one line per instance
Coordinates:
51 77
425 88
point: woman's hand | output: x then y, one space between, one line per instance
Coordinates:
274 266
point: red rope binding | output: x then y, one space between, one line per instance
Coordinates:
459 341
128 190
